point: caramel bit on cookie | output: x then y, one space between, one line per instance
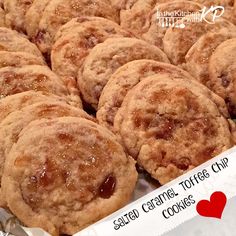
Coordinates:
46 175
183 163
92 41
161 127
107 188
165 127
22 161
206 154
225 81
39 37
65 137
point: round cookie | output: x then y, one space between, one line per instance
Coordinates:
58 12
14 123
76 39
12 41
33 17
124 79
134 15
222 73
61 184
155 31
197 58
15 13
129 75
178 41
20 100
33 77
19 59
105 58
171 127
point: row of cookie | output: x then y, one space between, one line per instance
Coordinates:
207 52
166 120
85 57
23 68
88 50
41 19
141 17
66 163
52 164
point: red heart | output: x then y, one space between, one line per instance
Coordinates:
214 207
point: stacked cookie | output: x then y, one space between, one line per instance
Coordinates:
161 97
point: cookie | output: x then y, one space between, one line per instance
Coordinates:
76 39
32 77
134 16
20 100
19 59
124 79
33 16
197 58
61 184
14 123
222 73
155 31
105 58
58 12
169 127
129 75
178 41
15 13
13 41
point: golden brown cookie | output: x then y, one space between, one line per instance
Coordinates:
197 58
15 13
105 58
19 59
124 79
20 100
222 73
12 41
58 12
170 127
33 16
178 41
134 14
55 177
129 75
33 77
14 123
75 40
